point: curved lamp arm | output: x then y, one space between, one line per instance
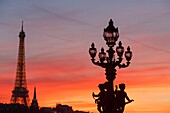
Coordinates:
104 65
95 62
124 65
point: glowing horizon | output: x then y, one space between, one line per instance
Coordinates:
58 36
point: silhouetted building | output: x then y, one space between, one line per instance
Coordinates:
77 111
66 109
63 109
13 108
34 108
20 92
47 110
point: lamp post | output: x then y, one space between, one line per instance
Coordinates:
110 61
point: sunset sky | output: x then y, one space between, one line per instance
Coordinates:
58 36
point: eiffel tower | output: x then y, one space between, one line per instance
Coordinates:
20 92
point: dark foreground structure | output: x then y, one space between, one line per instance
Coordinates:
21 108
109 100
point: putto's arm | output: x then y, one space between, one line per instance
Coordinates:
129 100
95 95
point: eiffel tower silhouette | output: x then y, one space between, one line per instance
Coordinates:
20 92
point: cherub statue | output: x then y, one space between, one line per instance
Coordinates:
101 98
121 95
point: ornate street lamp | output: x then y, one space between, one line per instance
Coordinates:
92 51
111 34
110 61
128 54
120 50
102 55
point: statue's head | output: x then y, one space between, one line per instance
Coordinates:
122 86
101 86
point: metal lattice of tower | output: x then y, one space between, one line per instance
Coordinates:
20 92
